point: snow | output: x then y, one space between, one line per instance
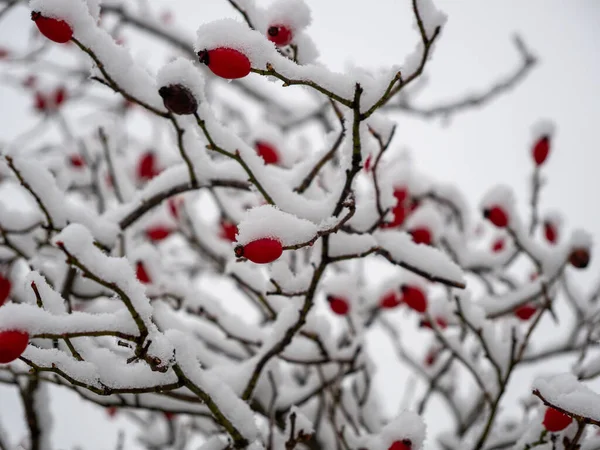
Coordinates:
116 60
233 408
43 186
502 196
268 221
427 259
118 271
543 127
581 239
182 71
294 14
566 392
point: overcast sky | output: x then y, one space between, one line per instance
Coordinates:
479 148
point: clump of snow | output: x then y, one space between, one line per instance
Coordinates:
431 17
294 14
268 221
501 196
568 393
555 218
41 182
581 239
231 33
308 52
182 71
116 60
427 259
427 216
543 127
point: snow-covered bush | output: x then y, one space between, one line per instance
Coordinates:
204 258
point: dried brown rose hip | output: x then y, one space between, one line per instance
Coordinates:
178 99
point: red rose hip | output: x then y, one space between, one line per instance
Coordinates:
260 251
404 444
498 245
280 35
12 345
540 150
550 232
525 312
496 215
147 166
158 233
60 96
554 420
141 273
421 235
229 231
76 160
414 298
54 29
225 62
338 305
5 287
267 152
390 300
441 322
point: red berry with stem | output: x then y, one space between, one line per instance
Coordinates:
550 232
141 273
555 420
280 35
111 411
338 305
229 231
496 215
414 298
54 29
498 245
525 312
260 251
169 415
60 96
579 258
421 235
225 62
76 160
5 287
147 166
390 300
158 233
404 444
267 152
540 150
12 345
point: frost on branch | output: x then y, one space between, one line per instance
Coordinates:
221 264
